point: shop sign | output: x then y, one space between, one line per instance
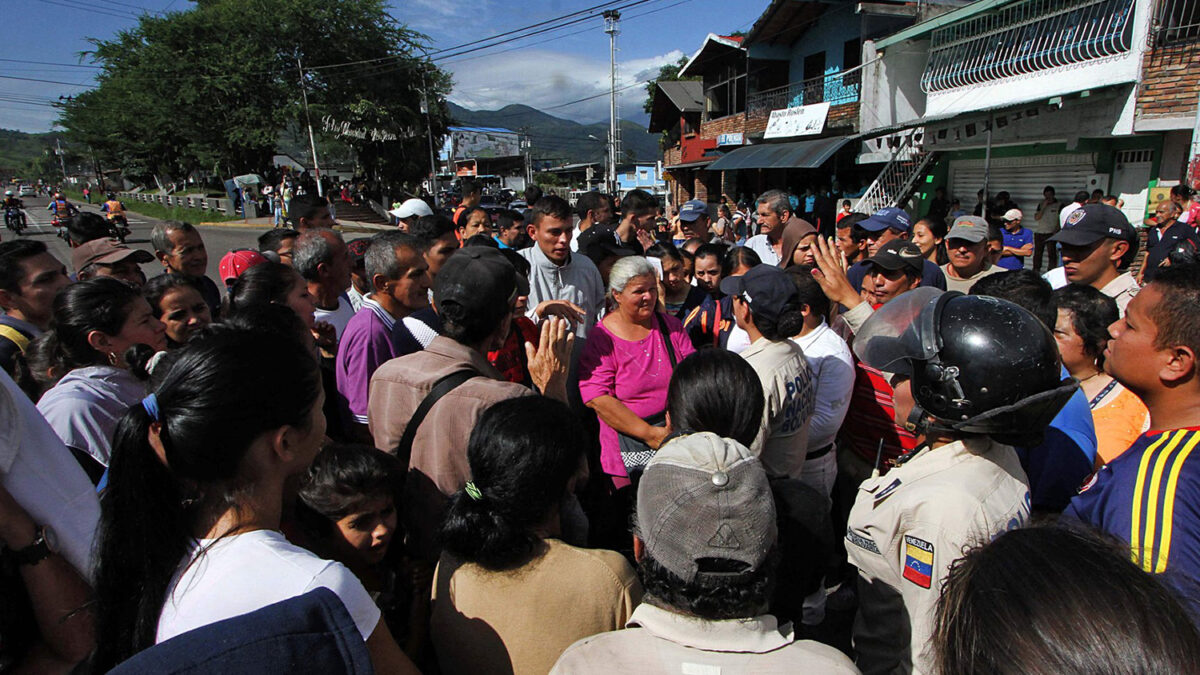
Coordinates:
805 120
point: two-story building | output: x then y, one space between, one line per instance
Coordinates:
1017 95
702 117
801 128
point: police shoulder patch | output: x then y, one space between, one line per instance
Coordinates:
862 541
918 561
887 491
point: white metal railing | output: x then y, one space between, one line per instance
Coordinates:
896 182
1025 38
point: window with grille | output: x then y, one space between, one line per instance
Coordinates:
1027 37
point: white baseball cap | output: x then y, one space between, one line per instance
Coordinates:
412 207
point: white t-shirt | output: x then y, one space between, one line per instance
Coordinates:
762 246
239 574
338 317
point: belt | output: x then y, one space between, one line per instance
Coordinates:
819 452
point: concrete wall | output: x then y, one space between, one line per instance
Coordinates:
891 86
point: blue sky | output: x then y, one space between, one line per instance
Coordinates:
543 72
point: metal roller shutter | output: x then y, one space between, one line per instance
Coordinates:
1023 177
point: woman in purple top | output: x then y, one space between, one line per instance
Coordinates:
626 366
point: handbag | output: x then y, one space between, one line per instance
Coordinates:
636 453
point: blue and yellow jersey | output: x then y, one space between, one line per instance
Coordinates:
1150 498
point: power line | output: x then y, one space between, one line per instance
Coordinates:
87 8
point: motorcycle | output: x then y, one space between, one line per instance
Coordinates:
118 227
14 219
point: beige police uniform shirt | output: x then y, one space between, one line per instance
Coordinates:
782 441
905 530
1122 289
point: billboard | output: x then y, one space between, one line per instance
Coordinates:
480 143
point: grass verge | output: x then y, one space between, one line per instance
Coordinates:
161 212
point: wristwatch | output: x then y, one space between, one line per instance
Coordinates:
44 543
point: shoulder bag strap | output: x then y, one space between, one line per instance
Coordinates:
440 388
662 328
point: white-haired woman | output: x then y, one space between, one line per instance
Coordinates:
626 367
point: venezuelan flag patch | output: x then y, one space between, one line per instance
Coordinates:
918 561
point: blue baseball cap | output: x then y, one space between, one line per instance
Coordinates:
766 288
692 210
888 218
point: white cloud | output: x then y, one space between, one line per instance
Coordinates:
545 80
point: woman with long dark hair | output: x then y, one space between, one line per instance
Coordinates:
97 325
509 595
189 526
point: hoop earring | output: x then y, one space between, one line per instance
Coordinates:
112 359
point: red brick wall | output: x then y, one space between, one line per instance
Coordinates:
844 115
1170 81
730 124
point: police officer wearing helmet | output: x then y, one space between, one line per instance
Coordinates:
973 376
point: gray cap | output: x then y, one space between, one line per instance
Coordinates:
969 228
704 497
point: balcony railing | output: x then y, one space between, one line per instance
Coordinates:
835 88
1027 37
1175 22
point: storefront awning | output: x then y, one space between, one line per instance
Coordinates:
795 155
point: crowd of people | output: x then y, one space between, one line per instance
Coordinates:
592 438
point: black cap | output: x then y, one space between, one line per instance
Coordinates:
1093 222
765 287
599 242
472 280
899 254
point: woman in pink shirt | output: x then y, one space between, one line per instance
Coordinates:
626 367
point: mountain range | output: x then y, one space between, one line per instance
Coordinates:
564 141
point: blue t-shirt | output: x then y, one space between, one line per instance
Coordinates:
932 277
1066 457
1021 237
1149 497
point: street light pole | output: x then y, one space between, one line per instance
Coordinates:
425 106
312 141
611 17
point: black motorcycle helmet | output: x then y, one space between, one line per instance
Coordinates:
978 364
110 196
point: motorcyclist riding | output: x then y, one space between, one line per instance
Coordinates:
14 215
62 209
115 211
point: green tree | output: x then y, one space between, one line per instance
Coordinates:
667 73
213 88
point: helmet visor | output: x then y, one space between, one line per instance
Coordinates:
900 332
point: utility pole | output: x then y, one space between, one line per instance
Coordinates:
526 145
312 141
611 17
425 106
61 162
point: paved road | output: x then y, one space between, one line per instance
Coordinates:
217 240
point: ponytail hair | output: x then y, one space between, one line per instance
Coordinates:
220 393
100 304
523 453
790 321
